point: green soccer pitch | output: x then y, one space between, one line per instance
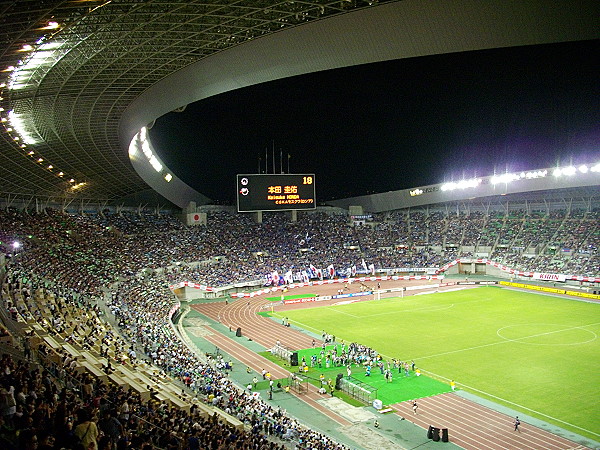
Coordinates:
534 353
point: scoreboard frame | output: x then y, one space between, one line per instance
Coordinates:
275 192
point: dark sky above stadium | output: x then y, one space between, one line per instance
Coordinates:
397 124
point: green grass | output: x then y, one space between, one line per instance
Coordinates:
289 297
264 385
400 389
534 353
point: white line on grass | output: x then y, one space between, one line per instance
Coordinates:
502 342
427 309
518 406
306 327
343 312
498 332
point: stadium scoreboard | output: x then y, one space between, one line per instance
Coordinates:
275 192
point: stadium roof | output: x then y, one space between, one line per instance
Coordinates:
79 78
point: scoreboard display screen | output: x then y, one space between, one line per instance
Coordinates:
275 192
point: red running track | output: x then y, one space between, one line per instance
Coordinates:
258 363
470 425
243 314
473 426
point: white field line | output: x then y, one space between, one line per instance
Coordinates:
516 405
505 341
496 422
342 312
427 309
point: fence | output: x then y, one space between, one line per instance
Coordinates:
298 384
363 392
282 352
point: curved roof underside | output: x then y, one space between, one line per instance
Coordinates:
81 77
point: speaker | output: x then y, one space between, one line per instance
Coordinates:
238 333
435 434
294 359
444 434
430 432
338 381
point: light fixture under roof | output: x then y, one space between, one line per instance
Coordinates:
52 25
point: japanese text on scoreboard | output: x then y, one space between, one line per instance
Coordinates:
275 192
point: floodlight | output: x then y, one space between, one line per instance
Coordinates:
132 148
146 149
155 163
569 170
583 168
16 245
508 177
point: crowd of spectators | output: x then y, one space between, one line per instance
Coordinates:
144 297
142 307
128 260
91 251
36 413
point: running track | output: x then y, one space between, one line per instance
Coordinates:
470 425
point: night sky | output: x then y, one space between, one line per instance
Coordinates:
398 124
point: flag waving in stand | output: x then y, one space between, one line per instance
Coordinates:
331 270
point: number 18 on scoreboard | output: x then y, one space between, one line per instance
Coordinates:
275 192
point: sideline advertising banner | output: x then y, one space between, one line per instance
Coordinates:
549 277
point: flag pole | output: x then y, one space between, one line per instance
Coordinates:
273 155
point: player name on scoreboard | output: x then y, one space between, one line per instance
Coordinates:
275 192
